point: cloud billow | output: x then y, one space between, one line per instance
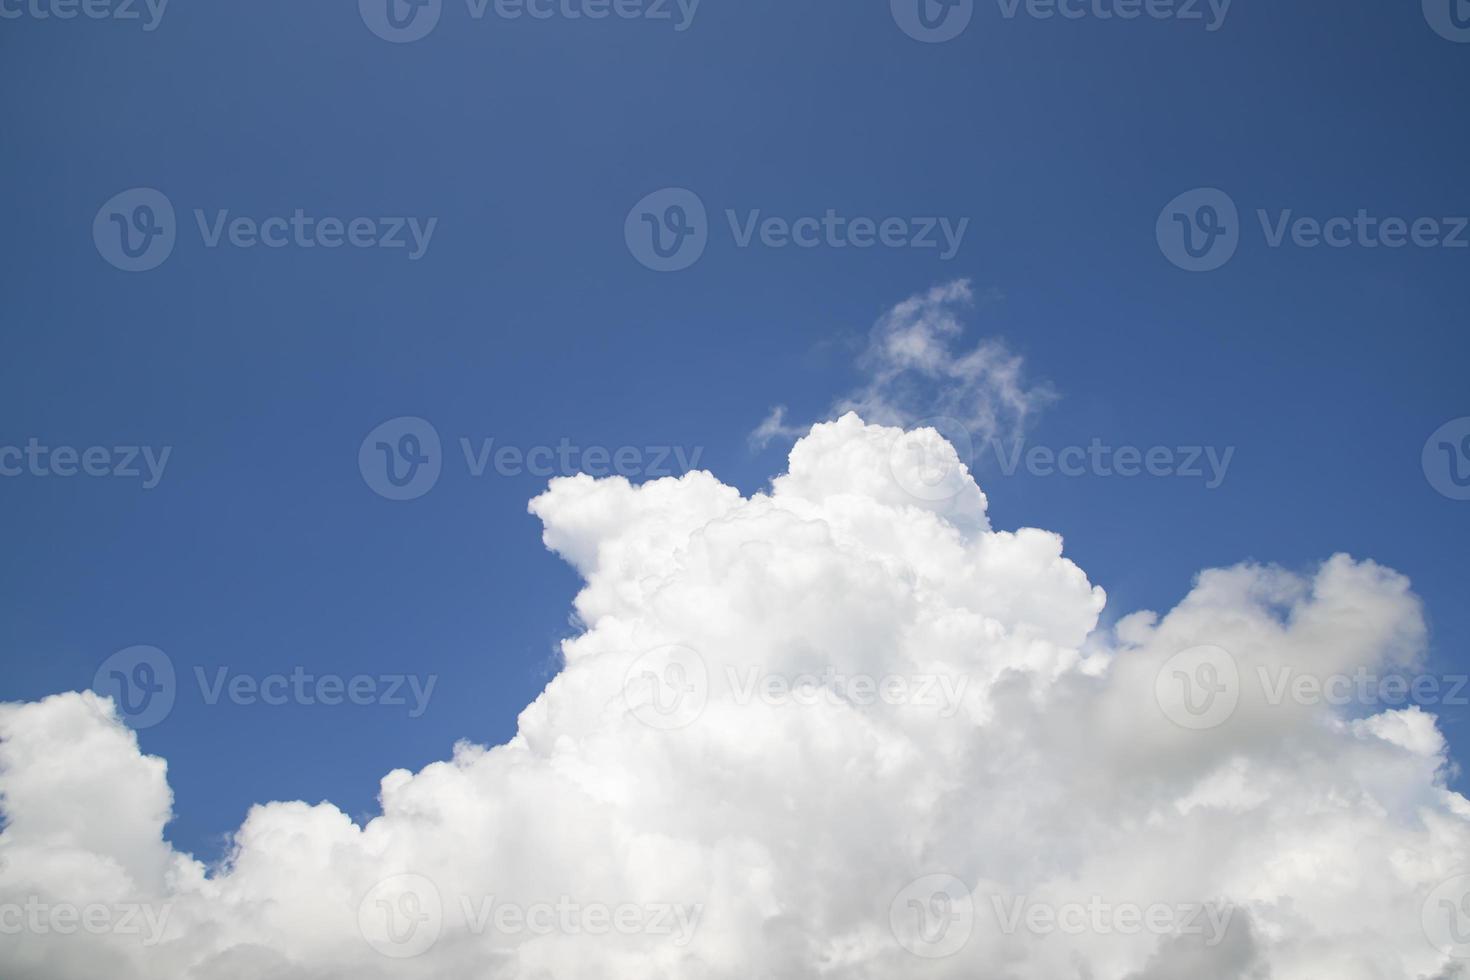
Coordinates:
836 728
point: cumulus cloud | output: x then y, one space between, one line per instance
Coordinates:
915 371
845 728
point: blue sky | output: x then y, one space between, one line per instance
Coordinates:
526 319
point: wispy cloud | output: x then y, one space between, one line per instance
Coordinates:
916 369
774 426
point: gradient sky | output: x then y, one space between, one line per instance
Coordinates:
527 319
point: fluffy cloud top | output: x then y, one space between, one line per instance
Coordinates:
844 728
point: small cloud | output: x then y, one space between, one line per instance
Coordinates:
914 371
774 426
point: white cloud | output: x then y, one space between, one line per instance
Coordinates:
737 837
773 426
914 373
